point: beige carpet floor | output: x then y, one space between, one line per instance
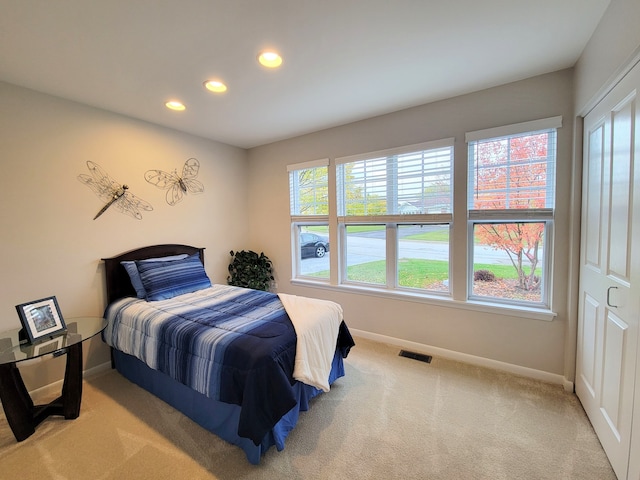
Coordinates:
389 418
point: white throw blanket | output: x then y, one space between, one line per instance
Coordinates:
316 323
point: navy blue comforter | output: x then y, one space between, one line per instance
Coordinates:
231 344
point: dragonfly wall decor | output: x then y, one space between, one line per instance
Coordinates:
113 193
175 184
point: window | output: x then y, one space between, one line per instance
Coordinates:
313 250
309 207
365 252
309 188
511 200
423 257
391 216
394 216
396 183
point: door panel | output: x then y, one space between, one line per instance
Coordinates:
622 138
609 308
613 360
593 197
589 342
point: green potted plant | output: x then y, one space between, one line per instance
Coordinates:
250 270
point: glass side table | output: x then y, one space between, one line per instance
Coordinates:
22 415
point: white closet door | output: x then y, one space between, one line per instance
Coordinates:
634 459
609 306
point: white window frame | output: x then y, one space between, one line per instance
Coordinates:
457 285
298 220
391 221
545 287
296 255
539 215
304 166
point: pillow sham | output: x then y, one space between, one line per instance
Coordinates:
134 276
163 280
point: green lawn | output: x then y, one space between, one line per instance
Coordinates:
416 273
319 229
412 273
420 273
440 235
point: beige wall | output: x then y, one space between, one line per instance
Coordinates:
611 52
51 245
614 43
544 346
533 344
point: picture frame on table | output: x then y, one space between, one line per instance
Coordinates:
41 319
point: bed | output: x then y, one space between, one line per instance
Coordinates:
227 357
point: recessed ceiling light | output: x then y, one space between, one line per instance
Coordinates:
270 59
215 86
175 105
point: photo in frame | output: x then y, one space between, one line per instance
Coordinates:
41 319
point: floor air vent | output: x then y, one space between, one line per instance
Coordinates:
416 356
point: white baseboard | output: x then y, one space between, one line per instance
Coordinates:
55 388
466 358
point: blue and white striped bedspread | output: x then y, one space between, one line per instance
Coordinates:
231 344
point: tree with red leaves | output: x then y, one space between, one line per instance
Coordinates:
512 173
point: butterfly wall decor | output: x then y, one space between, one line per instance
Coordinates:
113 193
175 184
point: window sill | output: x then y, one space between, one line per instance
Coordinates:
476 306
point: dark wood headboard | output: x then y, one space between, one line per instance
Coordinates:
118 283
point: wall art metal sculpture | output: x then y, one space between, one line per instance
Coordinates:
175 184
113 193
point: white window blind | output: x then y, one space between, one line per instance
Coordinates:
413 180
309 188
515 171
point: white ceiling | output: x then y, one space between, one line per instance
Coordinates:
344 60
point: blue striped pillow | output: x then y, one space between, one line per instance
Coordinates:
163 280
134 276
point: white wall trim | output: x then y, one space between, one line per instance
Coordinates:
514 129
54 388
615 78
323 162
466 358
